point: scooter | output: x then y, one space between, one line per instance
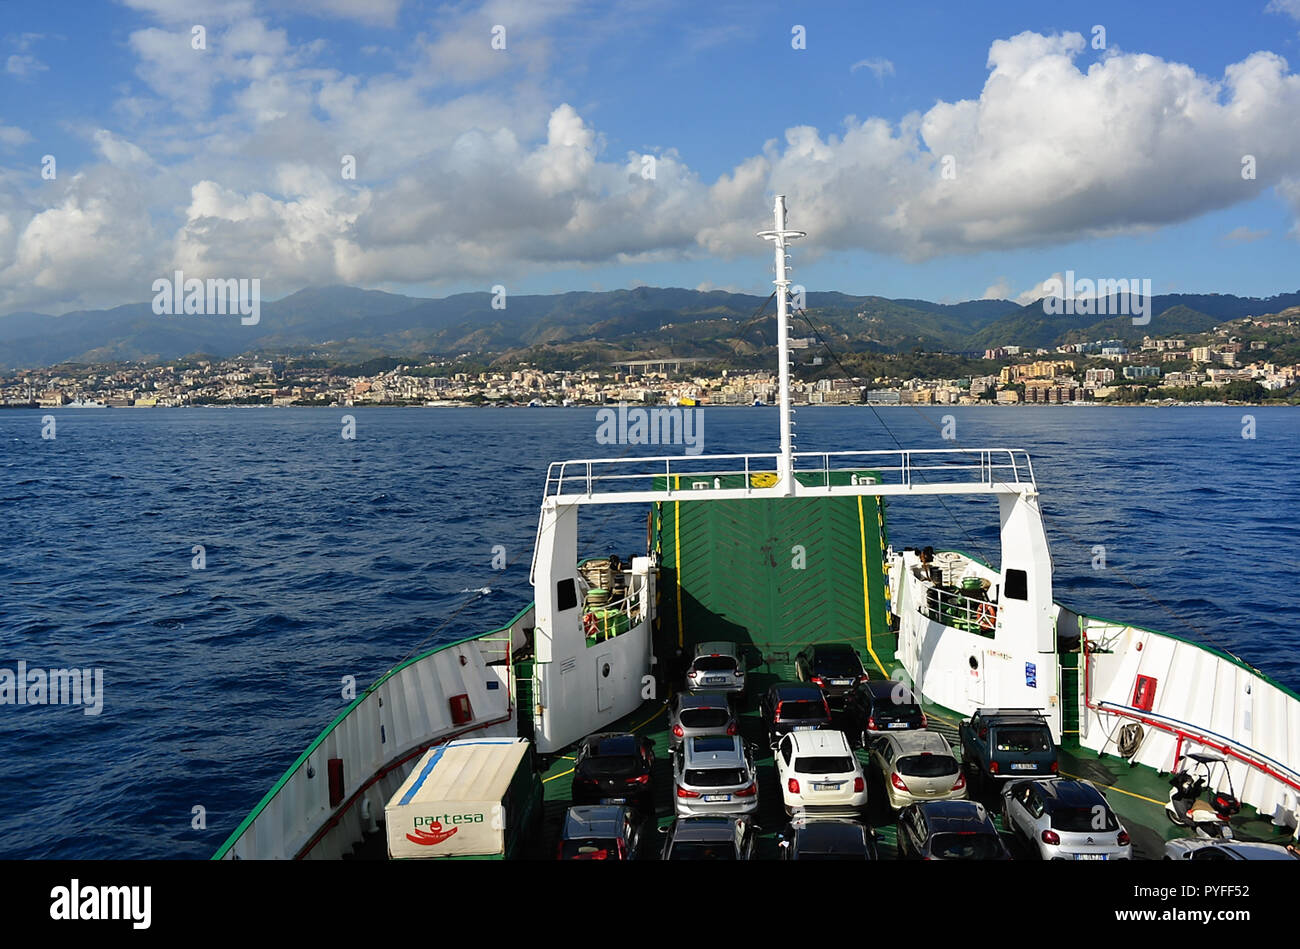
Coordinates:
1185 807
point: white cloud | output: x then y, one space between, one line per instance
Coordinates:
12 136
1038 291
880 66
998 291
1244 235
499 180
1290 7
24 66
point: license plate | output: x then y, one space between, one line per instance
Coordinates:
826 787
1024 767
1089 856
841 681
714 680
897 725
717 797
805 728
616 800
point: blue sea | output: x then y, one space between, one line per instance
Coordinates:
324 557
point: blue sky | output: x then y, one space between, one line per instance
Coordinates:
519 166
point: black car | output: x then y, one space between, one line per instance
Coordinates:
835 668
599 832
882 706
827 839
709 838
948 830
790 705
614 768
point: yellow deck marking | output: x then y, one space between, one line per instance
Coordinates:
866 583
560 775
677 532
1111 787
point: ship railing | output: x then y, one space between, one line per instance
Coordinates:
959 610
755 474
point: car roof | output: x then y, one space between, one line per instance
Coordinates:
702 700
795 690
832 836
820 741
1013 714
1256 850
1069 793
943 816
884 688
705 828
596 820
613 743
919 741
704 751
719 648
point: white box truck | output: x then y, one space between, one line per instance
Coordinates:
475 798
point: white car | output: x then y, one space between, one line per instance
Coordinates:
820 774
1063 819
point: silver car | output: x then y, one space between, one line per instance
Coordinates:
1063 819
714 774
917 766
700 713
716 667
1200 849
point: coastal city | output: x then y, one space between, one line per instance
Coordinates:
1244 361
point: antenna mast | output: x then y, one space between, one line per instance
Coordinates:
779 236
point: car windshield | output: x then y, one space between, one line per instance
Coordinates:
1024 739
1078 820
715 664
823 764
927 766
589 848
702 850
616 764
714 777
966 847
705 717
801 709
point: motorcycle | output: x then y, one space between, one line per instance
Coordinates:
1209 819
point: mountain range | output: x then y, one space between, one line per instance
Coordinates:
584 328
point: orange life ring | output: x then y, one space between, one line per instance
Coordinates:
589 625
986 616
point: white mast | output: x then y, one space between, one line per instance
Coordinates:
779 237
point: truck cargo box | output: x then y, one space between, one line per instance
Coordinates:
467 798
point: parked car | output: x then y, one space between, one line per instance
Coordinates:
827 838
614 768
1062 819
788 706
1197 848
700 713
918 766
819 774
716 667
949 830
835 668
714 774
599 832
882 706
709 838
998 744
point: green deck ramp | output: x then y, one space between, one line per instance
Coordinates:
775 573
